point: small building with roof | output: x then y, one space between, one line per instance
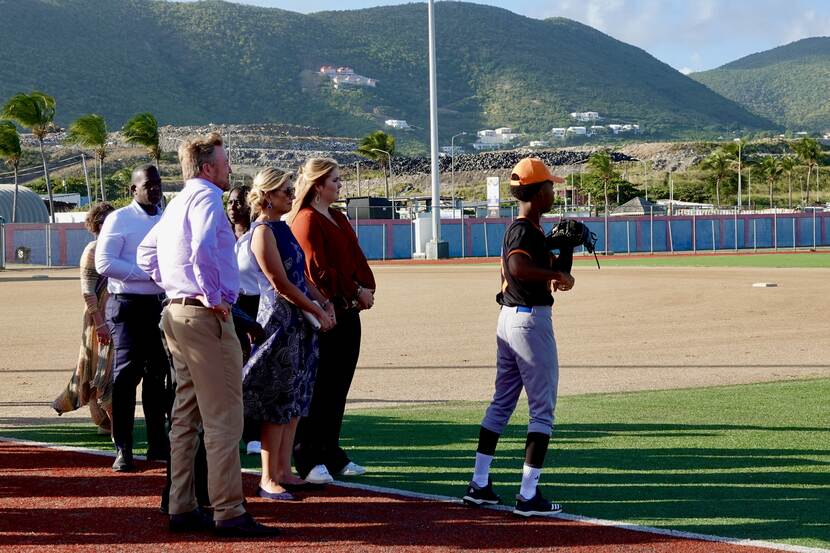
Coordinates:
30 207
639 206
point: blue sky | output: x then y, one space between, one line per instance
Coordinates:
690 35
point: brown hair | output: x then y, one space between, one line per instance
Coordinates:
96 215
313 172
196 152
267 180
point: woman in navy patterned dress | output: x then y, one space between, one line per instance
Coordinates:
279 376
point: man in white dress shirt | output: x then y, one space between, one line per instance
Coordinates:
133 314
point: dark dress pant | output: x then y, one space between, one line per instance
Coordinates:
317 441
139 356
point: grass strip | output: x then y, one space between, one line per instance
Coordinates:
750 461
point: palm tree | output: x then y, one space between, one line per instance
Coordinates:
35 111
809 152
602 166
771 170
788 163
11 152
90 131
719 163
379 146
143 129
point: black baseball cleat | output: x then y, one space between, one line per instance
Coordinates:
477 495
536 506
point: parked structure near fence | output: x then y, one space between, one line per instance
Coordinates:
62 244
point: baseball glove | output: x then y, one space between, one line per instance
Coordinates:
570 234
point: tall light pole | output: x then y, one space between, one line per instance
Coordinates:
436 248
738 140
452 168
389 157
357 165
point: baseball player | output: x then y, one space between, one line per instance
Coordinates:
526 355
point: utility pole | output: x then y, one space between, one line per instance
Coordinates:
436 248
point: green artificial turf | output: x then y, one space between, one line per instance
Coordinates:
748 461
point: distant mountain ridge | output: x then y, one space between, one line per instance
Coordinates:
788 84
213 61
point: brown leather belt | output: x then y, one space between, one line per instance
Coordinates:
187 301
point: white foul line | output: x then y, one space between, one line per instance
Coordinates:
505 508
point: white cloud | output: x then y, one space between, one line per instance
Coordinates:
686 70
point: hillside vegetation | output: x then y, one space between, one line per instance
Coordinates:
788 84
212 61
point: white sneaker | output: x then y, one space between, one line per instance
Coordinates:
353 469
253 448
319 475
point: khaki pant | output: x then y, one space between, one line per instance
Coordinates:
208 364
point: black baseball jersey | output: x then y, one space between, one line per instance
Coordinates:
524 238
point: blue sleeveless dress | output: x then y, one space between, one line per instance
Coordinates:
279 376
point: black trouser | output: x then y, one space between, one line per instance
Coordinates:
318 435
249 305
139 355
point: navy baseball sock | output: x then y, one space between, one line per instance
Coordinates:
487 441
535 449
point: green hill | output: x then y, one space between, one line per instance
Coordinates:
212 61
787 84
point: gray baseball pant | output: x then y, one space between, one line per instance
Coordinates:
526 357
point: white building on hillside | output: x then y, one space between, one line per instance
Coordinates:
577 131
397 123
558 132
489 138
345 76
539 144
585 116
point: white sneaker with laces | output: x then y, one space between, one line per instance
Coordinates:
353 469
319 475
253 448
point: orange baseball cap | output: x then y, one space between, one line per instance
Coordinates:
532 170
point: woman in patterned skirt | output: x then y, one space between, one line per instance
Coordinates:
91 381
279 376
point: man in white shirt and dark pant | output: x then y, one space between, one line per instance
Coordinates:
133 314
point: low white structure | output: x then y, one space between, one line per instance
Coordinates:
353 80
539 144
397 123
558 132
487 145
585 116
577 131
597 129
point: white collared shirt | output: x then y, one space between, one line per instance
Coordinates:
122 232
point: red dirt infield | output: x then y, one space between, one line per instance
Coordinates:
71 501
